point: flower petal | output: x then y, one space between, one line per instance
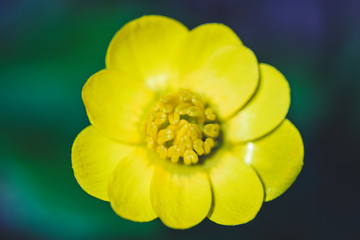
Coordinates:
115 103
266 110
237 190
94 157
181 195
145 47
129 187
201 43
277 158
227 79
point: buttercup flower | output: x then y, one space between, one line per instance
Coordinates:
185 125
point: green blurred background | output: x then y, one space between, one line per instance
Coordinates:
48 49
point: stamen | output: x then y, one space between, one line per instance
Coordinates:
181 128
150 142
209 113
182 108
174 118
190 157
197 102
165 135
160 118
208 144
185 95
211 130
168 108
167 98
162 150
199 146
193 132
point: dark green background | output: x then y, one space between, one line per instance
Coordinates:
48 49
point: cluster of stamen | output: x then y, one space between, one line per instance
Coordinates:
181 127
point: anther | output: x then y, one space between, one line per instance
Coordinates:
194 111
160 118
198 145
150 142
165 135
193 132
208 144
167 98
168 108
211 130
185 95
152 130
162 150
190 157
175 155
197 102
182 108
209 113
181 133
174 118
187 142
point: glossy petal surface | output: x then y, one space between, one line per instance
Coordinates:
94 157
200 44
227 79
277 158
266 110
181 195
144 47
116 103
237 191
129 187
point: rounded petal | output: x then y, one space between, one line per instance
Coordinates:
227 79
129 187
94 157
277 158
200 44
144 47
237 190
266 110
115 103
181 195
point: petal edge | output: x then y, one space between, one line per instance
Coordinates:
202 42
227 79
144 47
129 187
277 158
237 190
265 111
94 157
181 195
115 103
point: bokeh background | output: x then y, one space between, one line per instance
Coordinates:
48 49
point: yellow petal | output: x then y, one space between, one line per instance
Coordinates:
277 158
181 195
115 103
200 44
129 187
227 79
144 47
94 157
266 110
237 191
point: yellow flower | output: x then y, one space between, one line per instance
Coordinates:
185 125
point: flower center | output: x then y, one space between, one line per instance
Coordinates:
181 127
